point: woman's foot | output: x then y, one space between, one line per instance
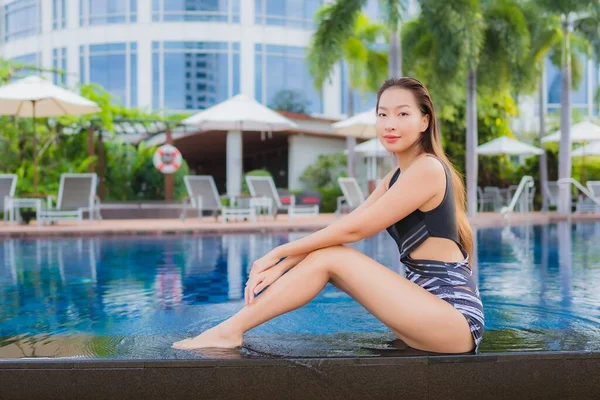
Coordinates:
214 337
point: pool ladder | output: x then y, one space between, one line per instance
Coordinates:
525 185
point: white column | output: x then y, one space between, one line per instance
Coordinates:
46 16
234 163
247 66
144 12
144 73
45 39
72 14
332 94
73 75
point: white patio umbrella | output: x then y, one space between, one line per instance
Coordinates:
585 131
372 150
360 126
509 146
592 149
36 97
582 132
240 113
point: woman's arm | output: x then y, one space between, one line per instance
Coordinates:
377 193
418 184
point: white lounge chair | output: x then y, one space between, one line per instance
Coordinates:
76 195
264 193
202 195
8 185
353 195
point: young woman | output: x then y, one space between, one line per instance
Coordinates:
421 204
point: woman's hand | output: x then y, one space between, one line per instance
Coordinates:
265 262
258 281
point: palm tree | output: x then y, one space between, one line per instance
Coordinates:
484 40
589 27
338 24
366 65
545 34
570 12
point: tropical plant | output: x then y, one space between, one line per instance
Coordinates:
356 48
572 14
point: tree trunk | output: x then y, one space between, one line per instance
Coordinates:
564 150
543 160
395 55
395 63
471 153
100 168
91 152
350 140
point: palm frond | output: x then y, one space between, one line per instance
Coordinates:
335 23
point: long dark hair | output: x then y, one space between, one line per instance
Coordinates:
429 142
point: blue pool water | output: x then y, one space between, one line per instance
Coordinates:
133 296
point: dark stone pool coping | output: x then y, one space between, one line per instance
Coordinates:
544 375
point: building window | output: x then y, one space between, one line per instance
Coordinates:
196 10
59 14
59 63
114 67
579 96
104 12
21 19
28 64
360 101
290 13
283 81
194 75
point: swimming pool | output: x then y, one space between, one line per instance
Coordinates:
133 296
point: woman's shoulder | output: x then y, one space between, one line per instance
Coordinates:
392 174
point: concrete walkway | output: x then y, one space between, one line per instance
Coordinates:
210 225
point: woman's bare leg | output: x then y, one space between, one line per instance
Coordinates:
420 319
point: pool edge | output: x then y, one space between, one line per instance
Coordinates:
489 375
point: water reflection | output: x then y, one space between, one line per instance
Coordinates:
538 285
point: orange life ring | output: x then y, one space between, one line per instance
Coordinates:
167 159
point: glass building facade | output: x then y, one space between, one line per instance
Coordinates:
289 13
114 67
103 12
282 70
196 11
21 19
194 75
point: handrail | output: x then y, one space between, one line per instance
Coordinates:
526 181
578 185
566 181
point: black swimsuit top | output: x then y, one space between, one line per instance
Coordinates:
439 222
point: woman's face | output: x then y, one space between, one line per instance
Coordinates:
399 120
